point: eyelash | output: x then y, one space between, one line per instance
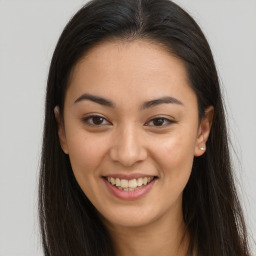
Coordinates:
86 121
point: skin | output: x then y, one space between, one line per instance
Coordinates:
128 141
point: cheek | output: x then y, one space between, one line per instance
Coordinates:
174 156
86 152
175 149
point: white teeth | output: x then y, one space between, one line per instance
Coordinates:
129 185
118 182
113 181
124 183
132 183
139 182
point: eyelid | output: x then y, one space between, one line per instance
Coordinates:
170 121
86 118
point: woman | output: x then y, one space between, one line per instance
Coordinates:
135 154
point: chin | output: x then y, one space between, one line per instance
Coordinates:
131 218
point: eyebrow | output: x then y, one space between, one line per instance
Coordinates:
145 105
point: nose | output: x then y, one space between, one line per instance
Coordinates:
127 147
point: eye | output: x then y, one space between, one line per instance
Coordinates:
95 120
160 122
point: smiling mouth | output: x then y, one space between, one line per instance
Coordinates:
130 185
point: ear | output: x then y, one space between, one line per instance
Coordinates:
61 130
204 131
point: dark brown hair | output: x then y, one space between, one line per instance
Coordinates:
211 209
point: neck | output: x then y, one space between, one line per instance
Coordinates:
163 237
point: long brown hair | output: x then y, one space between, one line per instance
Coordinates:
211 209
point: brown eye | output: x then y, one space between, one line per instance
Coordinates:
160 122
95 120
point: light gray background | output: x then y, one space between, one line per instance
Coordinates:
28 34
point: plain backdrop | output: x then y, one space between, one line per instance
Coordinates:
29 31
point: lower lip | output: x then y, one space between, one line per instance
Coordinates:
129 195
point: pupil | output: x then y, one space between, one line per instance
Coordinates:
97 120
158 122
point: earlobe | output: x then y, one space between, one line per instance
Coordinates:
61 130
204 131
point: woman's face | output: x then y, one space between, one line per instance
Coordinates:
131 130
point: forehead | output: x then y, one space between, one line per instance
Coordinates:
139 58
140 69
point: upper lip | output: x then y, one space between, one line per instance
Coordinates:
129 176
